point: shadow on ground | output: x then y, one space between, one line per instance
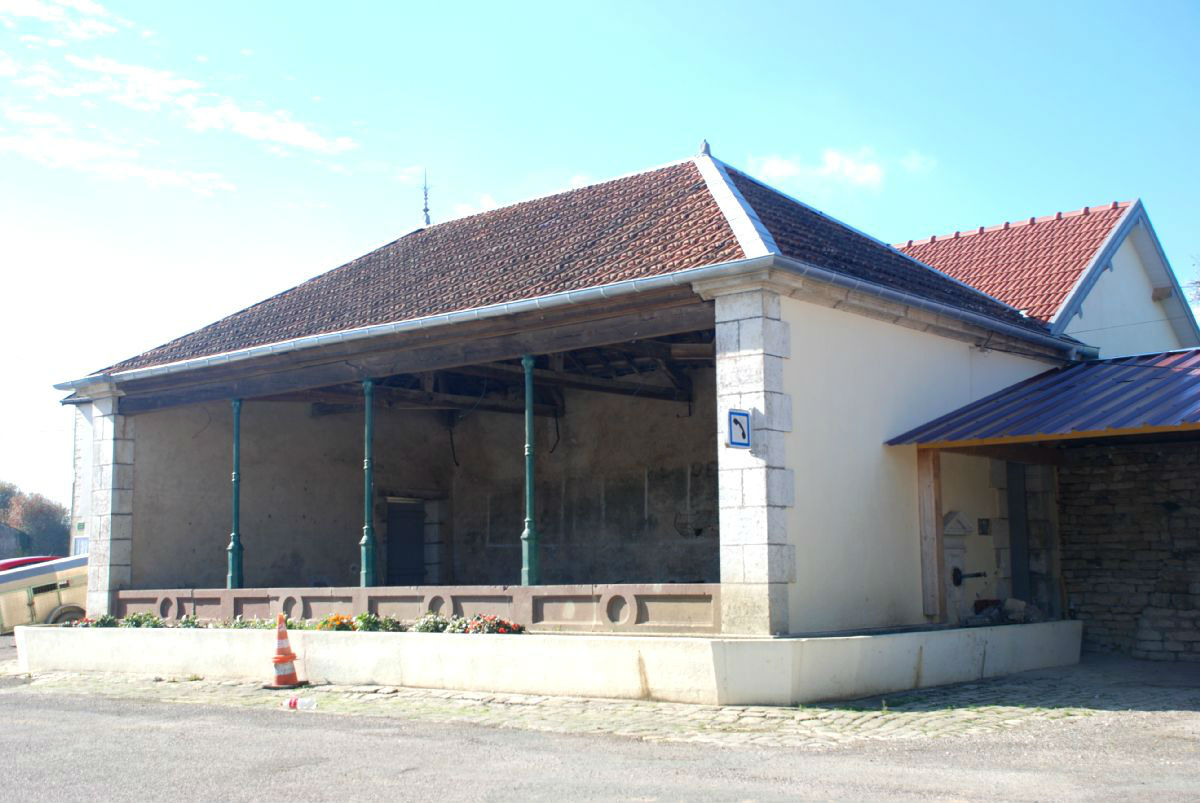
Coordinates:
1101 682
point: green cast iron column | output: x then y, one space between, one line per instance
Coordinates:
367 544
233 576
530 574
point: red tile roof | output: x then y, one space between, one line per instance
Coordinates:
1031 264
657 222
805 234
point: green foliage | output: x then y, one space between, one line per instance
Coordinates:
240 623
189 621
368 621
390 624
456 624
44 521
8 492
432 623
142 620
103 620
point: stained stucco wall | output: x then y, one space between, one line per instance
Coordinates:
629 493
854 383
81 482
301 515
967 489
1119 315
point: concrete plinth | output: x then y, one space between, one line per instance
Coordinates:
713 671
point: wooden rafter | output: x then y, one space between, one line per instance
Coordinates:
573 381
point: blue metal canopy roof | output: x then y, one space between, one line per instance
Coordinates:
1100 398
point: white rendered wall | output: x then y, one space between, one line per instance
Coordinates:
854 383
81 487
1119 315
967 489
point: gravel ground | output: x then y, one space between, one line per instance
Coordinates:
1111 729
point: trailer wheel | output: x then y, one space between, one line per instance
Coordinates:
64 614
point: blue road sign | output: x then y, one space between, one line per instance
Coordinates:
739 429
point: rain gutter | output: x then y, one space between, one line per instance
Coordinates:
570 298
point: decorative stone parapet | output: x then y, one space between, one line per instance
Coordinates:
624 608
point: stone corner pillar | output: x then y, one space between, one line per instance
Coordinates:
110 527
756 487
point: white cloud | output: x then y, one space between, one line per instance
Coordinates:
88 29
277 126
88 7
75 19
917 162
412 174
580 180
106 160
23 115
148 89
858 169
8 67
141 88
484 204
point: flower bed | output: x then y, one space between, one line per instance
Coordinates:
431 622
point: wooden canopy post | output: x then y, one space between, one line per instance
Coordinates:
929 494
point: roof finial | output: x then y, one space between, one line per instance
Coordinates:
425 190
704 151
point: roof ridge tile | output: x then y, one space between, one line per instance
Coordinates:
1012 224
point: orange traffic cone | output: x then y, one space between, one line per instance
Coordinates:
285 660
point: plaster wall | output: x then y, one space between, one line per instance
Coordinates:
967 489
854 383
301 509
81 484
1119 316
626 492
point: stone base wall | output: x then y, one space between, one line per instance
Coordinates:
1130 519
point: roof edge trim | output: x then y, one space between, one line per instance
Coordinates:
628 287
1091 274
749 230
1179 295
1059 342
877 241
568 298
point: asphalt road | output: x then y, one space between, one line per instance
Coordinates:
61 746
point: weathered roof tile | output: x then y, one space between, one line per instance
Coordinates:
1031 264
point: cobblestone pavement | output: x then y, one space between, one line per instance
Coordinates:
1112 689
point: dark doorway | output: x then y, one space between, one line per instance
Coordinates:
1018 532
405 543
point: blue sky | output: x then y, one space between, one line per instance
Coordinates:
162 164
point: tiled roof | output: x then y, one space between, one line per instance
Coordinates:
1031 264
805 234
647 224
657 222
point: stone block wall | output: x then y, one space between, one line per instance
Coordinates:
1130 520
1041 512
